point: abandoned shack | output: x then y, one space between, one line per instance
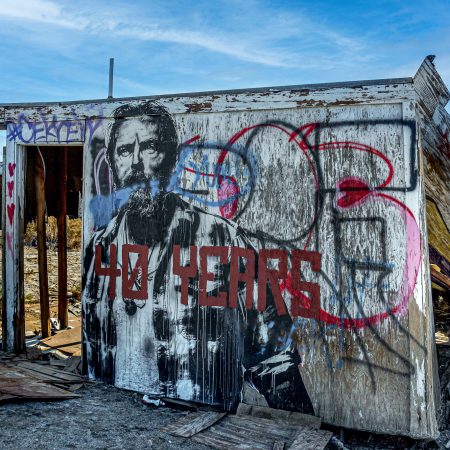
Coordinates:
271 245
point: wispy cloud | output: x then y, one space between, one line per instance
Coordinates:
41 11
245 45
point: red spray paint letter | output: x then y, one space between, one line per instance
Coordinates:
112 271
185 272
313 312
247 277
141 268
205 276
271 275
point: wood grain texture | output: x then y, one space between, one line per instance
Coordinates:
193 423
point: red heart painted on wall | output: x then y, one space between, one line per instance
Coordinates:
10 209
11 168
10 185
353 190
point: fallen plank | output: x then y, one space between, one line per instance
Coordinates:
65 350
280 415
222 439
68 341
246 432
73 365
23 387
179 404
311 441
58 363
49 371
69 387
266 428
193 423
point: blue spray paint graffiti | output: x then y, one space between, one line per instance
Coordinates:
52 130
241 165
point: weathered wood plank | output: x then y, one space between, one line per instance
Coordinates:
193 423
71 337
266 428
224 438
49 372
247 432
179 404
63 304
289 417
29 388
307 440
42 244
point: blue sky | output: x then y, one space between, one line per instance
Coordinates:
59 49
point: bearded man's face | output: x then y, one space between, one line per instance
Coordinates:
137 163
137 156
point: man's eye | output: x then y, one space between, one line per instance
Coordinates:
125 150
148 147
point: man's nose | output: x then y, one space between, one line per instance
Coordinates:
137 157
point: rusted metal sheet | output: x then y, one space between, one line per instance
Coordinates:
278 233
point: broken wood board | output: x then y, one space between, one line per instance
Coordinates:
67 341
311 441
177 403
280 415
48 373
15 385
73 365
35 380
193 423
245 432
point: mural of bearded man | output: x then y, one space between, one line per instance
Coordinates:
139 332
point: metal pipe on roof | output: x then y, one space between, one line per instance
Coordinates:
111 76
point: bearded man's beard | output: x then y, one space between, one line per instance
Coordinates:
145 214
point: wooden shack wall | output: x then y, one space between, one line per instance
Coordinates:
282 237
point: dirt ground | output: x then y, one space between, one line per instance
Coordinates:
102 418
31 284
105 417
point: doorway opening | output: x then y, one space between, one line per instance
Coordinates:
52 240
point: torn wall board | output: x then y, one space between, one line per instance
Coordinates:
272 238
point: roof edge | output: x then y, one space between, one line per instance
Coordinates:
301 87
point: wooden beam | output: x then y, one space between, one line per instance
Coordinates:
42 244
63 305
439 277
